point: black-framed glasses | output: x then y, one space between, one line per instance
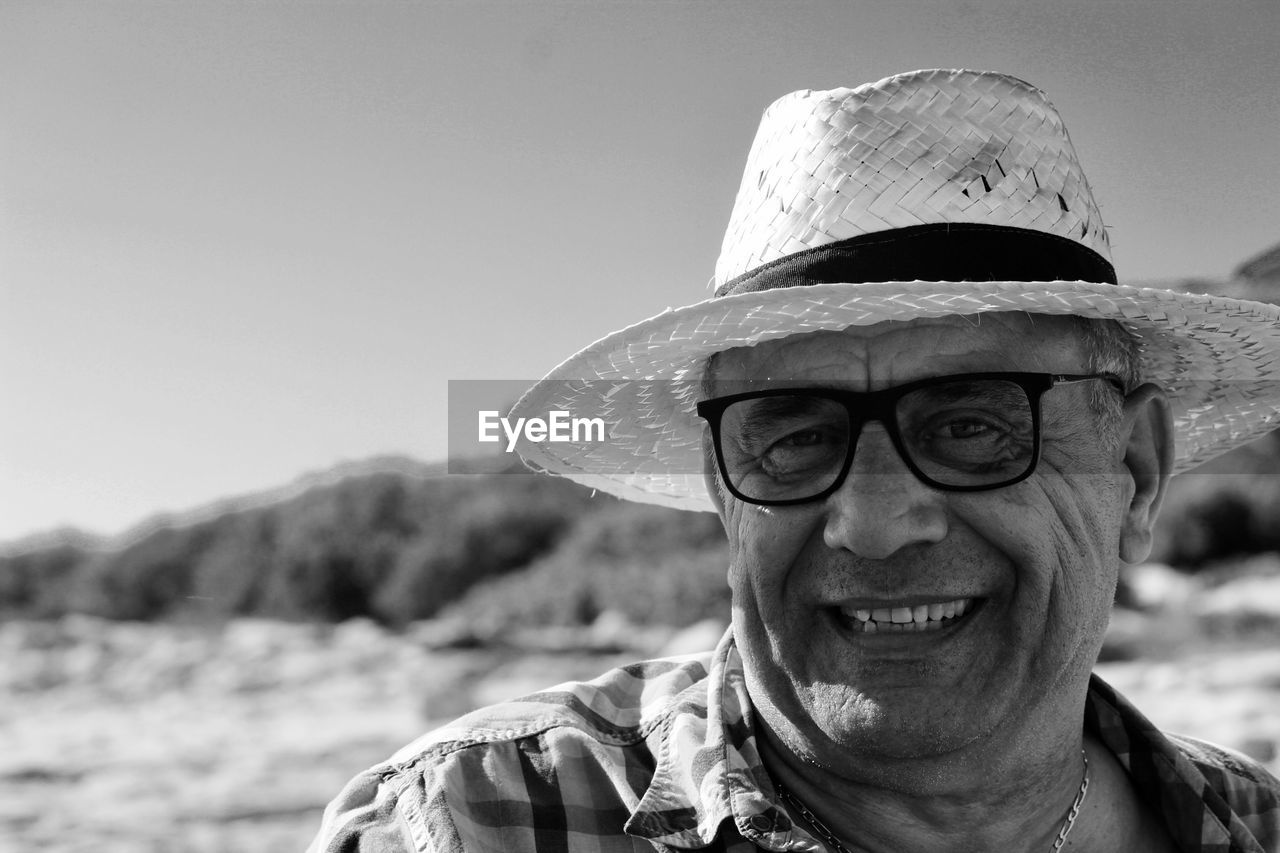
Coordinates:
961 433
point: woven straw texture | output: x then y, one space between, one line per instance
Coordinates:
925 147
915 149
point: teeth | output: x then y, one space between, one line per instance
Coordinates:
922 617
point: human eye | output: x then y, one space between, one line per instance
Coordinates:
784 439
968 438
968 429
799 452
980 429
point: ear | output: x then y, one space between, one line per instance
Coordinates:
1147 432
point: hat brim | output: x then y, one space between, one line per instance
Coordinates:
1217 359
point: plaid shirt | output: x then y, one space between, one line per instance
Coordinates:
662 755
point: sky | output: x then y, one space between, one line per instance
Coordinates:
240 242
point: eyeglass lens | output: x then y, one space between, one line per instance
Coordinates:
970 433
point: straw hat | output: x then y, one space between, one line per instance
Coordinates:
853 202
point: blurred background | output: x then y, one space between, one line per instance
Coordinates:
244 247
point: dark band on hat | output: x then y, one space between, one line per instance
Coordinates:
936 252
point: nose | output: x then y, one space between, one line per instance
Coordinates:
882 507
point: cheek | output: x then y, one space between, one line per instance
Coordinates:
1082 490
749 549
764 544
1017 523
1061 536
1088 512
1062 518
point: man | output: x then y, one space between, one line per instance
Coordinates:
933 427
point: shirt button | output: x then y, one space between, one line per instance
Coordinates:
761 823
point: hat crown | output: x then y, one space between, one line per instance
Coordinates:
927 147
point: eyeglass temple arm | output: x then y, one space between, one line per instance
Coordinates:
1071 378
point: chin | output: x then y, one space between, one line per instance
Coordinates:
843 727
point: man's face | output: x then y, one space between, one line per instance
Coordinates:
1029 568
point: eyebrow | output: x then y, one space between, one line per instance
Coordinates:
765 413
799 403
948 393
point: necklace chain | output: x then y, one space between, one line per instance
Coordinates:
1074 811
834 843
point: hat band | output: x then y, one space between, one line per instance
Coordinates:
935 252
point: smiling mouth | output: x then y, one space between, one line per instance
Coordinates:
917 619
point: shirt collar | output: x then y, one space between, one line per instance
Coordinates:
709 768
1171 777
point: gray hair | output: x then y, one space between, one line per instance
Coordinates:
1110 348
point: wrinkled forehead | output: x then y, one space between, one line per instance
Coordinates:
893 352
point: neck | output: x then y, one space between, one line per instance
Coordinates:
962 802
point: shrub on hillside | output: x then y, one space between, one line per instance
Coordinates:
435 570
37 584
498 530
386 545
145 579
230 575
651 564
331 548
